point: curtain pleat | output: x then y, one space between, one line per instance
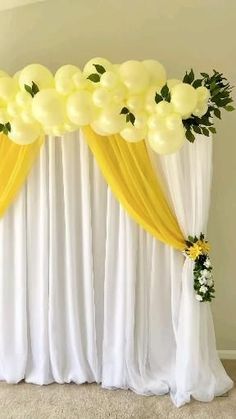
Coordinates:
15 164
128 171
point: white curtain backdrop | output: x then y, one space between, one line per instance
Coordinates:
87 295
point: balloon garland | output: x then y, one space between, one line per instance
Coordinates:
134 99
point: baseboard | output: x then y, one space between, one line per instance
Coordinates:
224 354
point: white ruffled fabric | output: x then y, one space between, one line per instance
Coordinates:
87 295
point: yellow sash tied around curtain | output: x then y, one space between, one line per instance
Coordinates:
128 171
15 163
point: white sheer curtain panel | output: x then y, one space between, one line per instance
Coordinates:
86 295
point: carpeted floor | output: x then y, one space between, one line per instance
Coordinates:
90 401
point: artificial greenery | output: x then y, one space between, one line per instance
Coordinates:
197 249
163 95
220 98
129 115
95 77
5 128
32 90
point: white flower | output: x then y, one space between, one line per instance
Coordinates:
210 282
207 263
206 274
203 289
198 297
202 280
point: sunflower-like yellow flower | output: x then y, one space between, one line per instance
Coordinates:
205 246
194 251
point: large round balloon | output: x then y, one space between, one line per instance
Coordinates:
150 103
134 75
8 88
164 108
38 74
135 103
166 141
79 108
133 134
23 133
23 99
48 108
101 97
64 82
110 121
90 68
184 98
109 79
203 94
156 72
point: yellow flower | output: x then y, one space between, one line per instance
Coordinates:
194 251
205 246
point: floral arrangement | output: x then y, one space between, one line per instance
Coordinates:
197 249
134 99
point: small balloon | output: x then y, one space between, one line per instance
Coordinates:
110 121
64 82
13 109
157 72
134 75
38 74
166 141
164 108
155 122
80 81
135 103
48 108
150 103
203 94
200 110
173 121
23 99
79 108
90 68
184 98
23 133
109 79
101 97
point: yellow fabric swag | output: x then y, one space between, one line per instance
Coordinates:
128 171
15 163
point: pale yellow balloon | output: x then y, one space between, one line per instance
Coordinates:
133 134
173 121
135 103
64 82
150 103
13 109
119 94
109 79
17 76
23 99
90 68
200 109
97 127
38 74
172 83
110 121
26 116
165 141
155 122
23 133
203 94
58 131
8 88
70 127
101 97
80 108
135 76
141 120
157 72
4 116
80 81
164 108
184 98
48 107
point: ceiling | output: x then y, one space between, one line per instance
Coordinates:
12 4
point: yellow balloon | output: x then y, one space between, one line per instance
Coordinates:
90 68
150 103
80 81
200 109
79 108
140 120
13 109
135 103
8 88
203 94
101 97
4 116
26 116
110 121
173 121
109 79
155 122
23 133
97 127
164 108
38 74
48 108
157 72
17 76
165 141
134 75
58 131
23 99
172 83
119 94
184 98
64 82
133 134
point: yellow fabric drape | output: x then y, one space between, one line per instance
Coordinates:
15 163
128 171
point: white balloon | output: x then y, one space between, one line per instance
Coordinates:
184 98
134 75
156 72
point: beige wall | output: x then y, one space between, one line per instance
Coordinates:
179 33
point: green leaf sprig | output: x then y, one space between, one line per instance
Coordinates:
163 95
95 77
129 115
5 128
220 97
32 90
